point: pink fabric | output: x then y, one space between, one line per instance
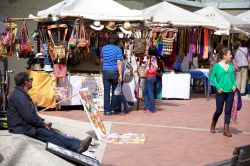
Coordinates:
234 112
205 51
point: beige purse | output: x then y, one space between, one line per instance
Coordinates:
58 52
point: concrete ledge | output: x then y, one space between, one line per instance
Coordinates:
21 150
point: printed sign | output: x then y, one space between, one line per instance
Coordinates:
92 111
99 127
95 87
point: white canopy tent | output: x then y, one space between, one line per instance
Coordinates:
244 16
102 10
164 12
225 22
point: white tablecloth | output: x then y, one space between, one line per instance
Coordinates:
176 86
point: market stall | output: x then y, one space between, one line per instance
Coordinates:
180 38
71 22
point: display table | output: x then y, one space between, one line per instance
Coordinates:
176 85
202 74
42 88
76 81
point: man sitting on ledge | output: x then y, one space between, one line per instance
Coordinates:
23 119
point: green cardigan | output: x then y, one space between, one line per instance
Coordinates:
222 79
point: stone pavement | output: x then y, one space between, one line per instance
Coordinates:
176 135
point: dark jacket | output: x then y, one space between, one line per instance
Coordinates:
21 115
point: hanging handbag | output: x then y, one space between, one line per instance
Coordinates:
7 37
58 52
82 41
128 73
139 45
141 70
25 47
73 40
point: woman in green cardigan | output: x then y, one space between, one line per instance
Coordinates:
223 78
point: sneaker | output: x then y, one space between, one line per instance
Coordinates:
84 144
145 111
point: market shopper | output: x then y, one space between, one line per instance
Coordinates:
151 69
23 118
111 56
242 64
223 78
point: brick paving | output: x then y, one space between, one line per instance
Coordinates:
176 135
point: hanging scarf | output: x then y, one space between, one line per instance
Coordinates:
201 42
191 45
205 51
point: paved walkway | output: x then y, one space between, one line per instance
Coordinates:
176 135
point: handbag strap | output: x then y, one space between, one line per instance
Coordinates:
57 26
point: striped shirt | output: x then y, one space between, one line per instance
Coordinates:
110 54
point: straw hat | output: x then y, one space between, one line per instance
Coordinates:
126 28
97 25
111 26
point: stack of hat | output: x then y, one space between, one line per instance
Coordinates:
126 28
47 64
111 26
97 26
38 62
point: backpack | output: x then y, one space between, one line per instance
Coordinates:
128 72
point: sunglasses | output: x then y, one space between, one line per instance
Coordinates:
30 79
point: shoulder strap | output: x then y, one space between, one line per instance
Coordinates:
243 52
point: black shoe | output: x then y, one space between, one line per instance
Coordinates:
107 113
84 145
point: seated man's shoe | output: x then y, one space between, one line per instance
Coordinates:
84 144
107 113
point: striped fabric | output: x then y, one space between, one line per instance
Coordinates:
110 54
2 25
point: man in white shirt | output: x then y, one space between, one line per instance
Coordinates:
241 63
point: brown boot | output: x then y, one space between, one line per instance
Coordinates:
84 144
213 124
226 131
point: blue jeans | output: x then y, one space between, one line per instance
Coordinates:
45 135
222 98
148 94
158 88
122 99
110 79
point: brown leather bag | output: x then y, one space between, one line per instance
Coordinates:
58 52
139 46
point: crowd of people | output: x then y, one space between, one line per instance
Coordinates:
228 73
